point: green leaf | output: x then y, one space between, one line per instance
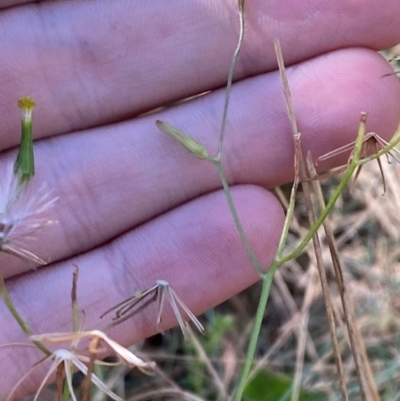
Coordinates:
268 386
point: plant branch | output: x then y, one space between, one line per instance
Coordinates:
230 78
21 322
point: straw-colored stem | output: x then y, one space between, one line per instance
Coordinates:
320 205
355 162
88 378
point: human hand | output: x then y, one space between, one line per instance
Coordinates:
133 205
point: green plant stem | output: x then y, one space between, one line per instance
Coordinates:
21 322
268 277
238 224
292 201
286 224
355 162
304 242
230 78
266 289
66 395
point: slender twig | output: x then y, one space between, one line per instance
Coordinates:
269 276
203 357
235 216
24 169
299 169
230 78
265 291
303 324
18 318
324 282
354 163
366 381
74 299
86 385
279 261
217 160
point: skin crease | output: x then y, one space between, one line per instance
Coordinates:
133 206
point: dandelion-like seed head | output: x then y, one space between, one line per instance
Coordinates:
23 211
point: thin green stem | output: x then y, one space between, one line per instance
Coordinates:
21 322
292 200
286 224
267 279
266 289
355 162
313 229
235 216
66 396
230 78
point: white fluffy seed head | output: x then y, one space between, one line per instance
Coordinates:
23 211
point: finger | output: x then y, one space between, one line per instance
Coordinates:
112 179
196 248
91 63
11 3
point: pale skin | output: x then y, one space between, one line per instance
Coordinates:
133 204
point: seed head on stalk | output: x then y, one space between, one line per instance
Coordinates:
23 210
158 292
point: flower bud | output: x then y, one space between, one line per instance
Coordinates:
195 148
25 165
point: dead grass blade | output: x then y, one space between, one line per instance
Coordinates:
367 385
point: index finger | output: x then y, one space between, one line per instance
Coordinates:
92 63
